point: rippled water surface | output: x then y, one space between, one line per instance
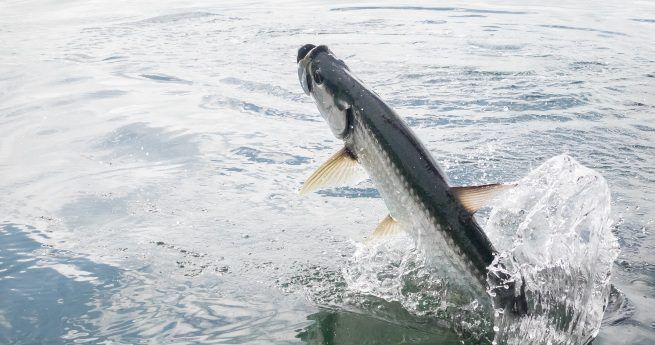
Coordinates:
151 153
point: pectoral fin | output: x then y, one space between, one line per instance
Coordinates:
340 169
387 227
475 197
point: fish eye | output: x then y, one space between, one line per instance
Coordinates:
318 78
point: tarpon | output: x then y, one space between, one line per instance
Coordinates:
413 186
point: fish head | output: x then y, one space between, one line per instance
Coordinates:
322 76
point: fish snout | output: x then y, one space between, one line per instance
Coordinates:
307 74
309 51
303 51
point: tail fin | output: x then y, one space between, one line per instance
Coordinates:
504 292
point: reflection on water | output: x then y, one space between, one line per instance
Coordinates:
338 327
53 296
45 294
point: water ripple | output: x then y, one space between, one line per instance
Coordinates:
565 27
166 79
270 157
220 102
425 8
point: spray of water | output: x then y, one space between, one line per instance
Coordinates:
553 230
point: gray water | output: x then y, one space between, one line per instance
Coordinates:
150 156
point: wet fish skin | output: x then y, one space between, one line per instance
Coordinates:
413 186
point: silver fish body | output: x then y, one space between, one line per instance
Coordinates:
413 187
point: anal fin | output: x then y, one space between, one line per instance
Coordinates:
340 169
387 227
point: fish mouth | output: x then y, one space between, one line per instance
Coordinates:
303 76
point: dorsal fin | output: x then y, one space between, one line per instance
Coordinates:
475 197
340 169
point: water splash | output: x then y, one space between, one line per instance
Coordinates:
554 231
397 270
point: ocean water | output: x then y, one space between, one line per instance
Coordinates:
151 153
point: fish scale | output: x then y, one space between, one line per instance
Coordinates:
408 209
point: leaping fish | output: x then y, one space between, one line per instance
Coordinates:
413 186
